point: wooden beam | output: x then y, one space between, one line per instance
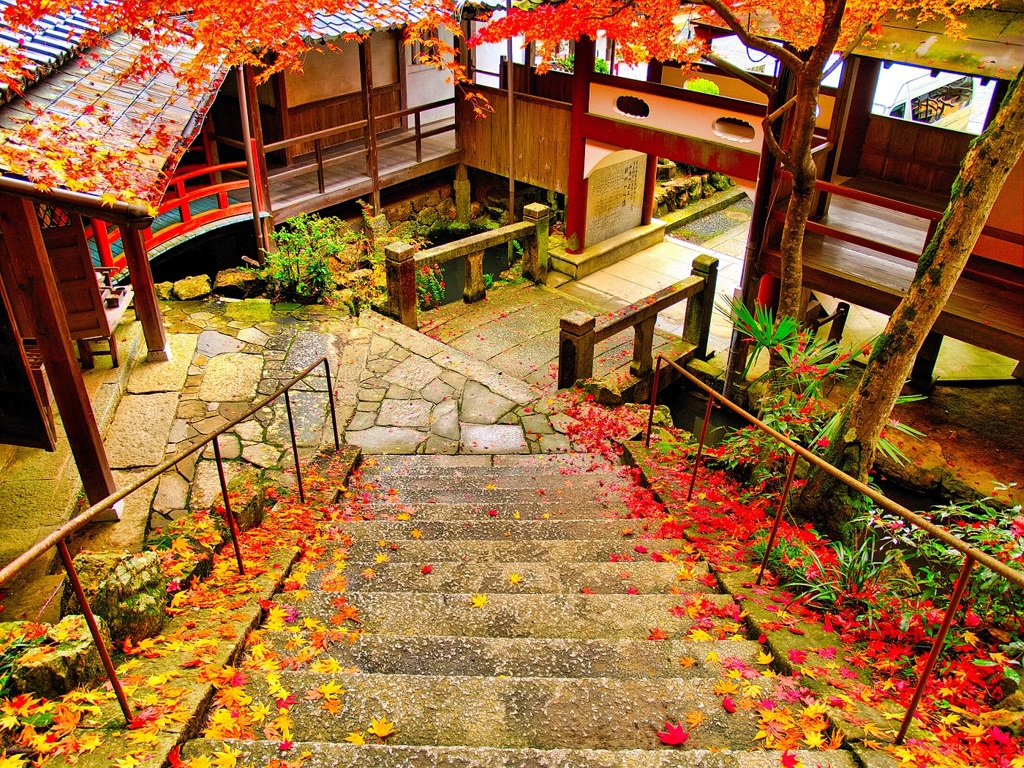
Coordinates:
650 177
34 279
252 101
576 203
146 307
366 62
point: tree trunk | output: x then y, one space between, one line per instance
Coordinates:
988 162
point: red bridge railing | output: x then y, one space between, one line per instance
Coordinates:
180 196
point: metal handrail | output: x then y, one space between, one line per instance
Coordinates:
971 554
59 537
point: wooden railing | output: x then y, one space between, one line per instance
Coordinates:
180 196
1007 240
402 262
580 332
322 161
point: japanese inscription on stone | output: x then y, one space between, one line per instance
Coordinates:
614 199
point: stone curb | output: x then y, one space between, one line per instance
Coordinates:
781 641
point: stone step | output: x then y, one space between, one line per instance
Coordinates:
461 493
516 712
526 657
549 462
529 510
508 479
500 526
323 755
482 551
524 578
505 615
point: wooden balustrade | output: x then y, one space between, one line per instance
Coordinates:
580 332
402 261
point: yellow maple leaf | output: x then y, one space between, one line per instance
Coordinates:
416 533
478 601
814 740
694 719
699 635
330 690
355 737
765 658
380 557
726 688
228 758
11 761
381 727
515 578
200 761
687 661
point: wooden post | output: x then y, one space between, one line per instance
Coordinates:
922 375
575 348
34 278
650 178
366 62
474 289
256 127
535 251
576 206
400 270
697 325
643 347
251 168
146 307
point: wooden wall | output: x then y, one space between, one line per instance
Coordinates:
330 113
912 154
541 139
553 85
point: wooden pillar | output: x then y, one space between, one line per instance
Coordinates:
576 204
256 127
697 325
366 67
643 347
535 252
922 375
34 279
651 176
146 307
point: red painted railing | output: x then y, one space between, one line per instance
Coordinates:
179 196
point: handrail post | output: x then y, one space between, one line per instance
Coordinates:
320 181
643 347
419 140
330 399
474 289
400 271
535 251
295 447
929 664
700 445
778 516
228 513
94 630
697 325
575 348
654 400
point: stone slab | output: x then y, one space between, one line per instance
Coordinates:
384 440
404 413
213 343
168 376
482 406
307 347
231 377
138 436
413 373
309 410
444 420
493 438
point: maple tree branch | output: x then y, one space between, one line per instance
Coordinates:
787 58
769 138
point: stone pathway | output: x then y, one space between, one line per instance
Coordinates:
397 392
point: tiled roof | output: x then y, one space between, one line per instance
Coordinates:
331 27
47 44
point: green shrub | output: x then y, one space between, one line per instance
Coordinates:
701 85
429 287
300 268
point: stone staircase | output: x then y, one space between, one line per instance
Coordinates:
508 621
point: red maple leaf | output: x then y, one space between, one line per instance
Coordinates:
728 704
673 735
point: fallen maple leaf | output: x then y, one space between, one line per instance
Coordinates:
381 728
355 737
427 569
729 705
694 719
478 601
515 578
657 633
673 735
